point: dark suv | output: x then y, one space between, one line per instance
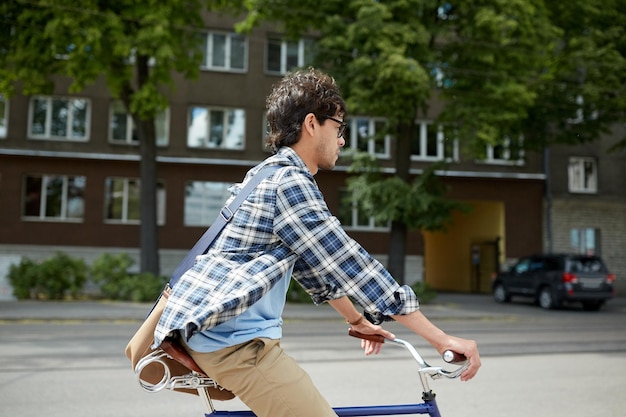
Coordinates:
553 279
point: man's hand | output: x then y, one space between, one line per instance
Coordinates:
470 350
370 347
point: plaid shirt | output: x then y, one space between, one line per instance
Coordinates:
283 223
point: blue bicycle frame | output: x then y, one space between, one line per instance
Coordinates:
427 407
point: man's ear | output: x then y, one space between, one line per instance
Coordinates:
310 124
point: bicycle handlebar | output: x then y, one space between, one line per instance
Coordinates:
453 357
435 372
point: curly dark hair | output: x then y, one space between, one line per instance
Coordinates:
296 95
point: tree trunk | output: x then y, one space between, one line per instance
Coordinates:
148 167
397 252
397 245
148 202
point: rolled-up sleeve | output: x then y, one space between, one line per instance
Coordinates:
331 264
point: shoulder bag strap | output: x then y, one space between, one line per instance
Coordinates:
225 215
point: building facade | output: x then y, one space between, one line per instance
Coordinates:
69 170
586 210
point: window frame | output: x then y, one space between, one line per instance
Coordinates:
352 141
580 115
209 207
124 220
130 127
586 241
303 44
207 130
354 224
265 134
47 135
4 117
209 43
577 185
422 126
492 158
44 198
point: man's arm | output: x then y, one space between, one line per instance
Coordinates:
416 322
419 323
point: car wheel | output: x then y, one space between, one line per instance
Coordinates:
546 299
500 294
592 305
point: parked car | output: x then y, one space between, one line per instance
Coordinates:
551 280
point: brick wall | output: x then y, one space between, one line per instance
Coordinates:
607 215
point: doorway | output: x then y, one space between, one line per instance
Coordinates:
448 263
485 261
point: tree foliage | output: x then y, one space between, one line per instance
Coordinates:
545 71
420 204
583 92
43 39
552 72
137 47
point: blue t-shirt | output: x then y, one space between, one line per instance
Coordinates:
262 319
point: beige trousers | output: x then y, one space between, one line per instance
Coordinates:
265 378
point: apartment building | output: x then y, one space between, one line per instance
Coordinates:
69 170
586 208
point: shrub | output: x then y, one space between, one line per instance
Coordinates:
425 293
143 287
23 278
110 272
296 293
62 275
55 278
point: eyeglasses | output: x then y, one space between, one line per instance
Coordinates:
342 126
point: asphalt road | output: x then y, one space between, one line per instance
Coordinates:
535 362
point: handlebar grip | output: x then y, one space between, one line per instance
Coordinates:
373 337
452 357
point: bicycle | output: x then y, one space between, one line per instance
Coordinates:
197 380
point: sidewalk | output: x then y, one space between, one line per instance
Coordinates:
444 306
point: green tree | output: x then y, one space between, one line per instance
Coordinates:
583 91
392 57
137 47
420 204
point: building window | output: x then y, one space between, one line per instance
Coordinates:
4 112
203 201
585 241
583 112
122 201
54 197
225 52
434 142
440 75
283 56
265 134
509 152
352 218
59 118
368 135
583 175
216 128
122 129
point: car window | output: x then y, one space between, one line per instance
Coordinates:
536 265
575 266
522 266
587 264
